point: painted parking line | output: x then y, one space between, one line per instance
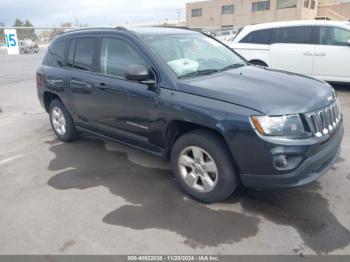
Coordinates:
6 160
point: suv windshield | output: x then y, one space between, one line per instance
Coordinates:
192 55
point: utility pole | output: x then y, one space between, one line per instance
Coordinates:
178 11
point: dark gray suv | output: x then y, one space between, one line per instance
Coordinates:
187 98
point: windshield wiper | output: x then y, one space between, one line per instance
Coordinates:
233 66
200 73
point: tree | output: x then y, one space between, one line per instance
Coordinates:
25 33
28 23
56 31
29 33
18 22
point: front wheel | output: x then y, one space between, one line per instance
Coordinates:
203 166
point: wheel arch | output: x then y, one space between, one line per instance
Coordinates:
177 128
48 97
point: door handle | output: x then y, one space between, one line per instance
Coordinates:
320 54
101 86
308 53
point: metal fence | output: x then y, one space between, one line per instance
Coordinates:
32 44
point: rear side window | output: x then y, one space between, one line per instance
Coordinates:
116 55
334 36
55 56
294 35
258 37
81 54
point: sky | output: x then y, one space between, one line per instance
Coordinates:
92 12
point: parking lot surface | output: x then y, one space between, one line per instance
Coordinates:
97 197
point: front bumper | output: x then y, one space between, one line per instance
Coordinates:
311 168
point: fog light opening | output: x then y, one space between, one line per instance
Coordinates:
281 161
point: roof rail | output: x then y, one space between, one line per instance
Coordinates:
92 28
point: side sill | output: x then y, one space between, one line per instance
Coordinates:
161 154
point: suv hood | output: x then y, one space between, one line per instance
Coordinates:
268 91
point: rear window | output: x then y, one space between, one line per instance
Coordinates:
55 56
294 35
258 37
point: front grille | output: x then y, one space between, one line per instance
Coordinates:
324 121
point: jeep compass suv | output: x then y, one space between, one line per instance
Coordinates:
188 98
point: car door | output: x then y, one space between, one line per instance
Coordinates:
125 110
80 69
332 55
293 49
255 46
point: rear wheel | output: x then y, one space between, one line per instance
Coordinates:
203 166
61 122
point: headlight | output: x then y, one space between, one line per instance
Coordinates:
288 125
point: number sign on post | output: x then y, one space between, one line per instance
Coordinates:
11 41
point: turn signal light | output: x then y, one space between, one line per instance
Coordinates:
257 125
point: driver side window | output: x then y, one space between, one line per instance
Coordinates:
116 55
334 36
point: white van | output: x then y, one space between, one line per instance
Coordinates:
316 48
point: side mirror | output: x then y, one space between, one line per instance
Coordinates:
138 73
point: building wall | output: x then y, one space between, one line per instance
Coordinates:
342 8
243 15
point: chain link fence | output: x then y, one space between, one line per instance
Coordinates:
32 45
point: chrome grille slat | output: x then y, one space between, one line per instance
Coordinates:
325 121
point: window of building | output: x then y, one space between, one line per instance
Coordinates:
334 36
294 35
227 9
281 4
84 53
258 37
116 56
306 3
56 54
197 12
313 4
260 6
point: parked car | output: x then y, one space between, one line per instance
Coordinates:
28 46
316 48
225 35
186 97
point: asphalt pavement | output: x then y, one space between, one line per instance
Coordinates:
98 197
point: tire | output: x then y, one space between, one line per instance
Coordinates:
214 150
59 117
